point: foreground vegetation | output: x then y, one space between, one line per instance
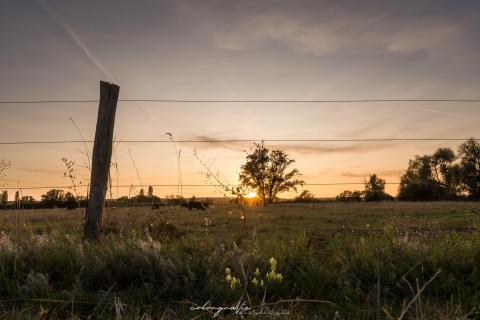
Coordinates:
369 260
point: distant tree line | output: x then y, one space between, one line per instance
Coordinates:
374 191
56 198
443 175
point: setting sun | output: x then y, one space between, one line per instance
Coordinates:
251 194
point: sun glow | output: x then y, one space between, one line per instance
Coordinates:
251 194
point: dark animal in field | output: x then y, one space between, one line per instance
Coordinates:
156 206
71 206
197 205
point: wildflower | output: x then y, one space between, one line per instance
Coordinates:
273 263
255 282
273 275
233 281
257 272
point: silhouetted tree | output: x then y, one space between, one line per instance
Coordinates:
375 189
469 154
305 196
150 192
4 199
70 201
350 196
431 177
53 198
27 199
268 173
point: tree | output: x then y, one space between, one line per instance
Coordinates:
431 177
27 199
141 193
469 154
4 199
375 189
268 173
150 192
350 196
70 201
305 196
53 198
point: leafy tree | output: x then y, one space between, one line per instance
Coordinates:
268 173
53 198
142 193
469 154
375 189
350 196
305 196
446 172
4 199
431 177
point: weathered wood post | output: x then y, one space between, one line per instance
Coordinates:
101 158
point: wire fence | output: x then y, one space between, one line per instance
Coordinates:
213 141
238 140
183 185
39 101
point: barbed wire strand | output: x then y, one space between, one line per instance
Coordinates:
40 101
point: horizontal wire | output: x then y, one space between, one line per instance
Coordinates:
183 185
243 101
237 140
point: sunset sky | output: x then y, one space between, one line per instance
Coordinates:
237 50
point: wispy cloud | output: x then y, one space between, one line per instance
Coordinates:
319 148
449 114
361 174
359 31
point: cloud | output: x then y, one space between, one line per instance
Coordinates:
304 148
449 114
358 31
362 174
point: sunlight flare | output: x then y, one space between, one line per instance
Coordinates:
251 195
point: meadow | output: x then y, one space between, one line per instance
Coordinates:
387 260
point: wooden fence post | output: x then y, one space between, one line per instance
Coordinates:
101 158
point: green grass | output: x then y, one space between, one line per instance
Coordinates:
364 260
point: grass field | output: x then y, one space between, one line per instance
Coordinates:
360 260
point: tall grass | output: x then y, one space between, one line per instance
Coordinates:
154 268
